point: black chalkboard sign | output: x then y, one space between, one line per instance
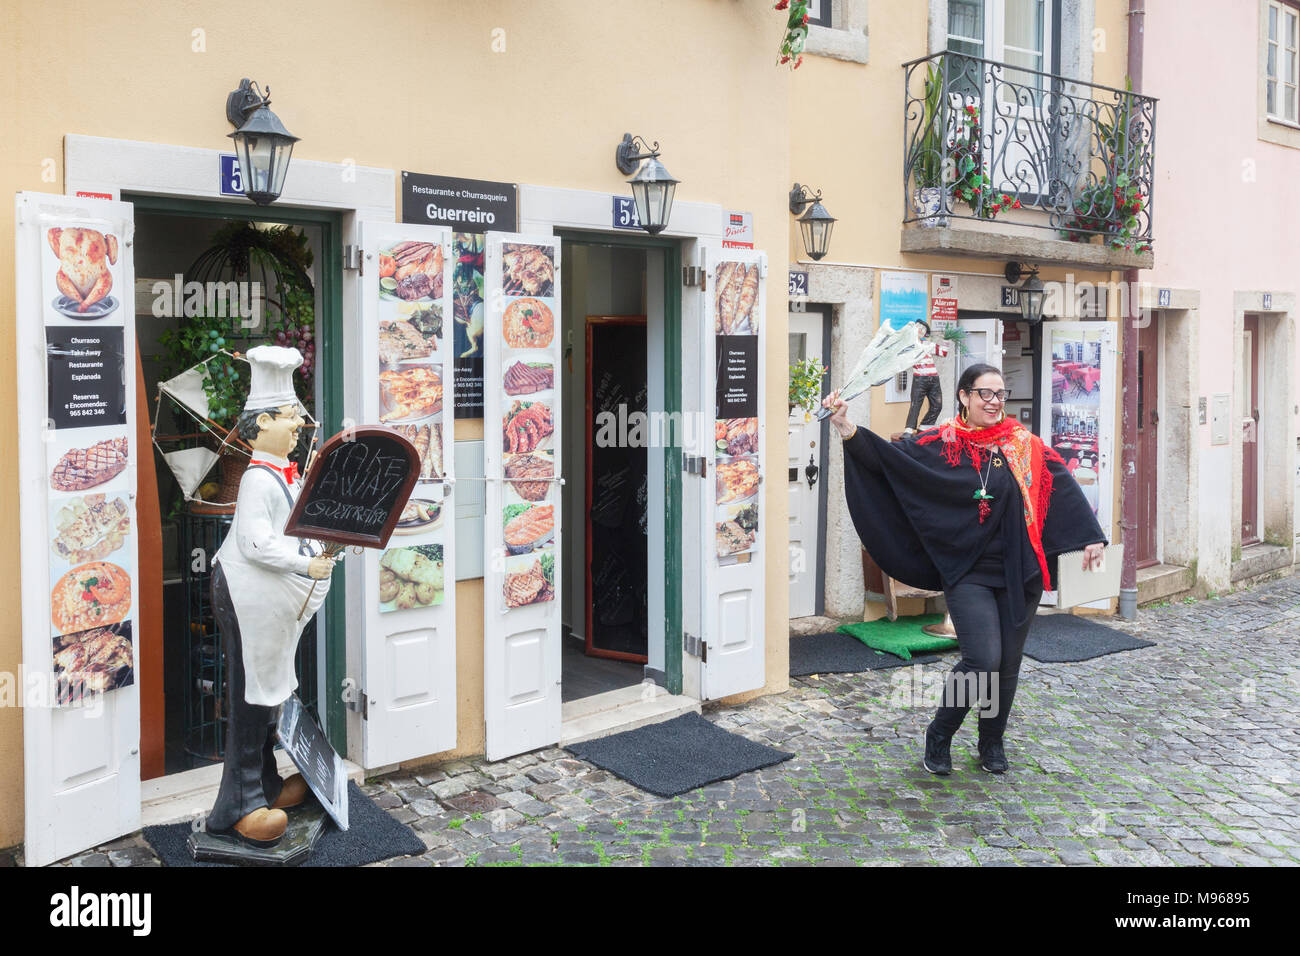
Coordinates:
617 557
315 759
356 489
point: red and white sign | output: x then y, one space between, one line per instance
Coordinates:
943 304
738 230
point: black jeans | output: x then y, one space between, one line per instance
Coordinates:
250 779
928 387
991 649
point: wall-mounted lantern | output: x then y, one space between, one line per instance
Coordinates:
1031 293
652 186
815 223
262 144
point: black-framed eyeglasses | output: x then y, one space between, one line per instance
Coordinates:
988 394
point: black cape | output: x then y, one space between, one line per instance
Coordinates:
918 519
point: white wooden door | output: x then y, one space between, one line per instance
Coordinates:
81 756
734 530
522 437
804 446
409 651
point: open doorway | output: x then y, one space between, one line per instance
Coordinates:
193 262
605 374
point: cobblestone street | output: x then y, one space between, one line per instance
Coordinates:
1183 753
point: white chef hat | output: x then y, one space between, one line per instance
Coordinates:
271 369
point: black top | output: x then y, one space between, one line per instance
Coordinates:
918 519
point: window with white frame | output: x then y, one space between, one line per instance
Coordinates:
838 29
1014 32
1281 62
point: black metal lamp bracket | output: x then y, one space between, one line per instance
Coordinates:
627 157
243 101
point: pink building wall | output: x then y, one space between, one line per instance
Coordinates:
1227 214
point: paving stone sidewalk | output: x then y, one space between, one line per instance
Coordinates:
1183 753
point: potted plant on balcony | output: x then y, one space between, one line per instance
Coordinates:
971 183
1108 209
927 161
1110 206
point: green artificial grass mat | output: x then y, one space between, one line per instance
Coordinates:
900 637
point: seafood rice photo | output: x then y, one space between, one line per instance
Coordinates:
90 595
528 324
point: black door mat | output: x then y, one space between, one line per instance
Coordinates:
836 653
372 835
677 755
1061 638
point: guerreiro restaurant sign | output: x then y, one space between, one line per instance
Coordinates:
465 205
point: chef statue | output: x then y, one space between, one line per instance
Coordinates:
264 590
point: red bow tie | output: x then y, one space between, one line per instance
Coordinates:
289 471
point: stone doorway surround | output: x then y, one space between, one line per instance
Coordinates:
850 292
1276 434
1178 479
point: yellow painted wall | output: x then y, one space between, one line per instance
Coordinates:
847 140
417 85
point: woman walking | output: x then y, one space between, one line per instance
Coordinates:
979 508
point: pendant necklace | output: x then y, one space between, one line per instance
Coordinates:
982 494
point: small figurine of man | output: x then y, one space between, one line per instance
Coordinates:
925 381
264 590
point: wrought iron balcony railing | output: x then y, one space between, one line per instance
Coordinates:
982 137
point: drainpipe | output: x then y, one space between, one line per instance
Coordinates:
1128 336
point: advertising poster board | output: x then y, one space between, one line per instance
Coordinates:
522 427
407 591
904 298
469 207
736 438
74 335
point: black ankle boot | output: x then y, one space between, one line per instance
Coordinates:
938 759
992 758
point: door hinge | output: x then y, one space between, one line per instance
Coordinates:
358 703
353 259
695 276
695 465
695 646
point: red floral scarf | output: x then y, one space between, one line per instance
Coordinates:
1026 456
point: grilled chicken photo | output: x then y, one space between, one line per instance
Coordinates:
527 270
84 257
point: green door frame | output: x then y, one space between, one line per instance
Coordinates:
672 251
331 415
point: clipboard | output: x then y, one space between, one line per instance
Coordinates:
1075 586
